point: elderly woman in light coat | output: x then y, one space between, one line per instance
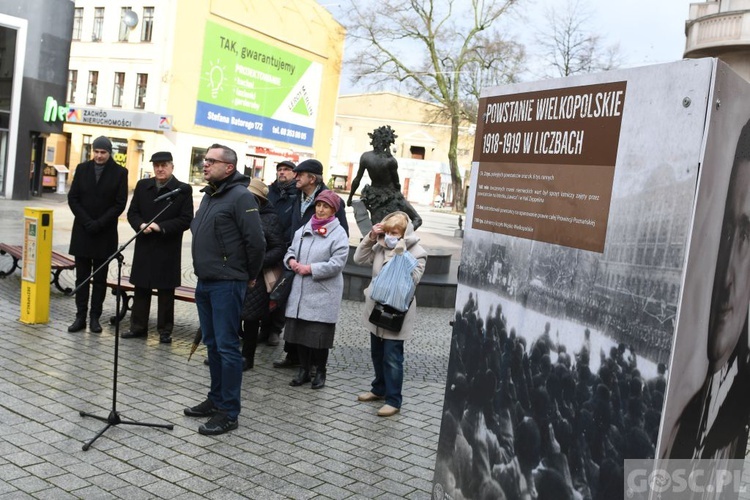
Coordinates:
387 347
317 255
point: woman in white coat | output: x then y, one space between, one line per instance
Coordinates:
387 347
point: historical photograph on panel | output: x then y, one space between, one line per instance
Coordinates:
708 408
582 196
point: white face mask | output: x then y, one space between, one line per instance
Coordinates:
390 241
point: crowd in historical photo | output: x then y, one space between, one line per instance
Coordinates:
532 420
567 289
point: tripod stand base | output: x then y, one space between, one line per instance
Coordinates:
114 419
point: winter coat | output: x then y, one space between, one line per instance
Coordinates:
255 305
283 201
157 262
96 207
317 296
228 241
299 220
375 253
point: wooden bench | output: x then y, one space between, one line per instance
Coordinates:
60 262
181 293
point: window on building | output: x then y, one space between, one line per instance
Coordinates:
72 84
93 84
86 148
119 90
77 23
124 29
147 24
196 165
96 35
141 83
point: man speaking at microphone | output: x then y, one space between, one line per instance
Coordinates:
157 257
228 250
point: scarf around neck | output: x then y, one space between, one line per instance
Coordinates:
318 225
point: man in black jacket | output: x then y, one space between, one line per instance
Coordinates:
282 195
97 197
228 250
157 262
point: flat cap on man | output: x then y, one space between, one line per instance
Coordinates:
313 166
287 164
161 156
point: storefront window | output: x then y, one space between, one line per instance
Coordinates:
120 150
7 60
86 148
196 165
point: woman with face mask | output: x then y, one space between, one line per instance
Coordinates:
387 347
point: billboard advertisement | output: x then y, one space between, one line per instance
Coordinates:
250 87
578 223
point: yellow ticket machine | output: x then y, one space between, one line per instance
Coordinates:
36 265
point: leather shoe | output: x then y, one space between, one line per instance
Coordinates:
218 424
94 325
165 338
369 396
303 377
285 363
205 409
387 411
131 335
78 325
273 339
320 379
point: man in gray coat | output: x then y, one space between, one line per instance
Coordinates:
228 249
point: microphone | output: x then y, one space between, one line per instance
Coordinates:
183 189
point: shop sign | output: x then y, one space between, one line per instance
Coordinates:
106 117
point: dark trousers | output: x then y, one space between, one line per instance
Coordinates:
84 268
388 361
139 313
273 322
249 336
309 357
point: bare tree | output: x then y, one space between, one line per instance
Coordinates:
440 50
568 45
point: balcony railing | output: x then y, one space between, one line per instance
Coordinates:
720 30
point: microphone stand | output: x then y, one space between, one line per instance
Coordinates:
114 416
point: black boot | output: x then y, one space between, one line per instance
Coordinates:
78 325
320 378
303 377
94 325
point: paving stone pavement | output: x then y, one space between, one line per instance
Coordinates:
291 443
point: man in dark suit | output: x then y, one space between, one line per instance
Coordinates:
97 197
157 262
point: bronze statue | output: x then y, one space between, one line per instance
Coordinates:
383 196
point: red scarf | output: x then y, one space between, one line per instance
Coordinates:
318 225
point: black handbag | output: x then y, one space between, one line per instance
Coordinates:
281 290
387 317
283 287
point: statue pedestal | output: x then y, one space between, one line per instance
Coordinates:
436 289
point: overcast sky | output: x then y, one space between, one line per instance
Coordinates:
648 31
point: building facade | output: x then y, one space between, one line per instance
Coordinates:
34 51
421 146
720 28
180 75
